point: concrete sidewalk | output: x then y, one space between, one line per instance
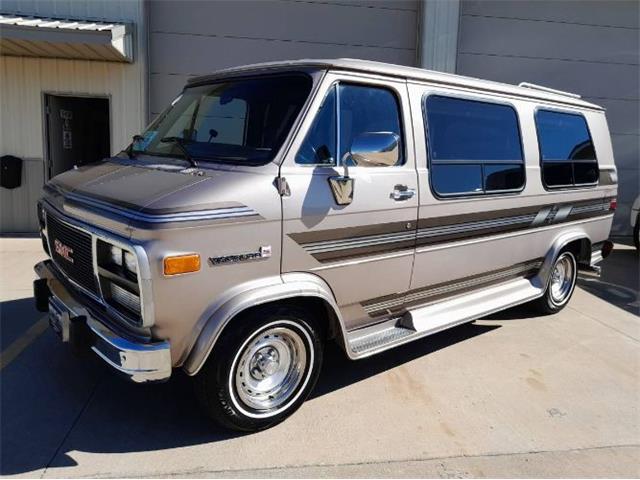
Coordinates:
512 395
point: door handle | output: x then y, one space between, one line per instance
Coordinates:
402 192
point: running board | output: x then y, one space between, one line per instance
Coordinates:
439 316
374 339
426 320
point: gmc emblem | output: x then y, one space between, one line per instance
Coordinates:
63 250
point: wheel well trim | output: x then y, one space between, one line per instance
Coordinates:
291 286
559 243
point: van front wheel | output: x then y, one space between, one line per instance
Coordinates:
262 369
561 284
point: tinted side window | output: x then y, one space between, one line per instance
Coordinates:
474 147
566 150
361 109
366 109
319 146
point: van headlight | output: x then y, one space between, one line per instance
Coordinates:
119 282
115 255
124 259
130 263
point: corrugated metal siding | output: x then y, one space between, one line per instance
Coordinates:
590 48
18 206
191 38
23 81
115 10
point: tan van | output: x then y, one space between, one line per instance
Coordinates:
274 207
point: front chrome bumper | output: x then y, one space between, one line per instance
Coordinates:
138 361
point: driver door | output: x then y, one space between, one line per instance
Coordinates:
364 249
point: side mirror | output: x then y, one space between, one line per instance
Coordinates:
375 149
371 149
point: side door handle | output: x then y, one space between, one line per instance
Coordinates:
402 192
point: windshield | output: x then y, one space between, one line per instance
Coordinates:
240 121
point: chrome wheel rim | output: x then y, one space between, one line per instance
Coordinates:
270 368
562 278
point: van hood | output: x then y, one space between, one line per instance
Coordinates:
113 194
127 186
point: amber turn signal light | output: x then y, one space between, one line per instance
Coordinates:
182 264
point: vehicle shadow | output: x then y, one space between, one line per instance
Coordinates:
619 283
16 316
53 403
339 372
520 312
314 210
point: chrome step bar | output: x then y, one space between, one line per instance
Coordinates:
426 320
379 337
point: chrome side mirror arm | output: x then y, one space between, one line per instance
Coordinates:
342 186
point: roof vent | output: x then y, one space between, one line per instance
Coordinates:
533 86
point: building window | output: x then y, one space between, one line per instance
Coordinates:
474 147
359 109
566 150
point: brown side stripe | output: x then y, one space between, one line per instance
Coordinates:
353 242
350 232
398 304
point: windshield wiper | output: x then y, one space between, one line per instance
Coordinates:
179 142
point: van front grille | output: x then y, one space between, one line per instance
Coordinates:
72 252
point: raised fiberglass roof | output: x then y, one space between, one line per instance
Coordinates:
409 73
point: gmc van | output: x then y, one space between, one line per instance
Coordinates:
274 207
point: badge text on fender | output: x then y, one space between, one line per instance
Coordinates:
263 252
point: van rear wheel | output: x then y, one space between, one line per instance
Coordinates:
262 369
561 284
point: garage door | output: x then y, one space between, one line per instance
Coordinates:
194 38
590 48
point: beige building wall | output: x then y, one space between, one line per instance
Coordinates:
25 80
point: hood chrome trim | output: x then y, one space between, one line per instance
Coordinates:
197 215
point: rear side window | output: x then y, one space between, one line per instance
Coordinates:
474 147
566 150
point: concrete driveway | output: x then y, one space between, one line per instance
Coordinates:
511 395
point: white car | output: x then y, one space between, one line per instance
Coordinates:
635 222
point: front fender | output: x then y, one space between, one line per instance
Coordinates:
242 297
